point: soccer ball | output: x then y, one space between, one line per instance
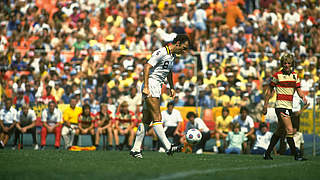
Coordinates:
193 136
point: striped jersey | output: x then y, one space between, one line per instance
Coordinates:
125 119
285 85
162 62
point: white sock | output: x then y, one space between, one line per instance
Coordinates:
158 129
139 137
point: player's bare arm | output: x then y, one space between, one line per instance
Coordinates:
170 80
146 71
301 95
268 93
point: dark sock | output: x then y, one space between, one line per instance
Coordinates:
93 139
292 145
75 140
154 144
273 142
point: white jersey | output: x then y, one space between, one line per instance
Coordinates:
244 125
171 120
263 140
8 116
51 118
162 62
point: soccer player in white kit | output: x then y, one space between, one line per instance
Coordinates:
156 70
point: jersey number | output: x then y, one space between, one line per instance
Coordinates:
165 65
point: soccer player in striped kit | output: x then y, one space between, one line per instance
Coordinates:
158 68
285 83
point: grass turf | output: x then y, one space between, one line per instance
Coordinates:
52 164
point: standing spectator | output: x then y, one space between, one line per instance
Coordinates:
246 124
223 128
8 118
104 125
124 123
86 123
236 140
306 82
70 123
197 123
20 99
26 123
263 137
172 122
52 119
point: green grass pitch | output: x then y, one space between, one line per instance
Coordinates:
64 165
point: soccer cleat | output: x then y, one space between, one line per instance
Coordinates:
36 147
14 147
299 158
174 149
1 144
136 154
267 156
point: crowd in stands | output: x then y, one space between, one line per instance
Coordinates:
92 52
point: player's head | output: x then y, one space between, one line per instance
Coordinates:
244 112
170 106
191 116
51 106
287 62
263 127
225 111
181 43
86 109
124 106
236 127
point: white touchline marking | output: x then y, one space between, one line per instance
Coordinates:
212 171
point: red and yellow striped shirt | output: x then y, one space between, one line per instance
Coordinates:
285 86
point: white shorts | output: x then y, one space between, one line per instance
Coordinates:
154 88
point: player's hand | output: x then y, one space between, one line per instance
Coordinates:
146 91
305 100
6 129
264 110
172 93
306 106
23 130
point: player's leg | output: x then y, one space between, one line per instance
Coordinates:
43 136
142 128
116 138
93 138
110 138
98 134
57 132
289 131
154 106
275 137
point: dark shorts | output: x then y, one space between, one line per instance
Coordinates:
281 130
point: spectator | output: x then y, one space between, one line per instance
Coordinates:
246 125
51 119
20 99
197 123
26 123
172 122
222 128
70 123
263 137
236 139
124 123
104 125
8 119
86 123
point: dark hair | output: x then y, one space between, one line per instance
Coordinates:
225 109
243 108
85 107
52 102
191 114
181 38
171 103
263 125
